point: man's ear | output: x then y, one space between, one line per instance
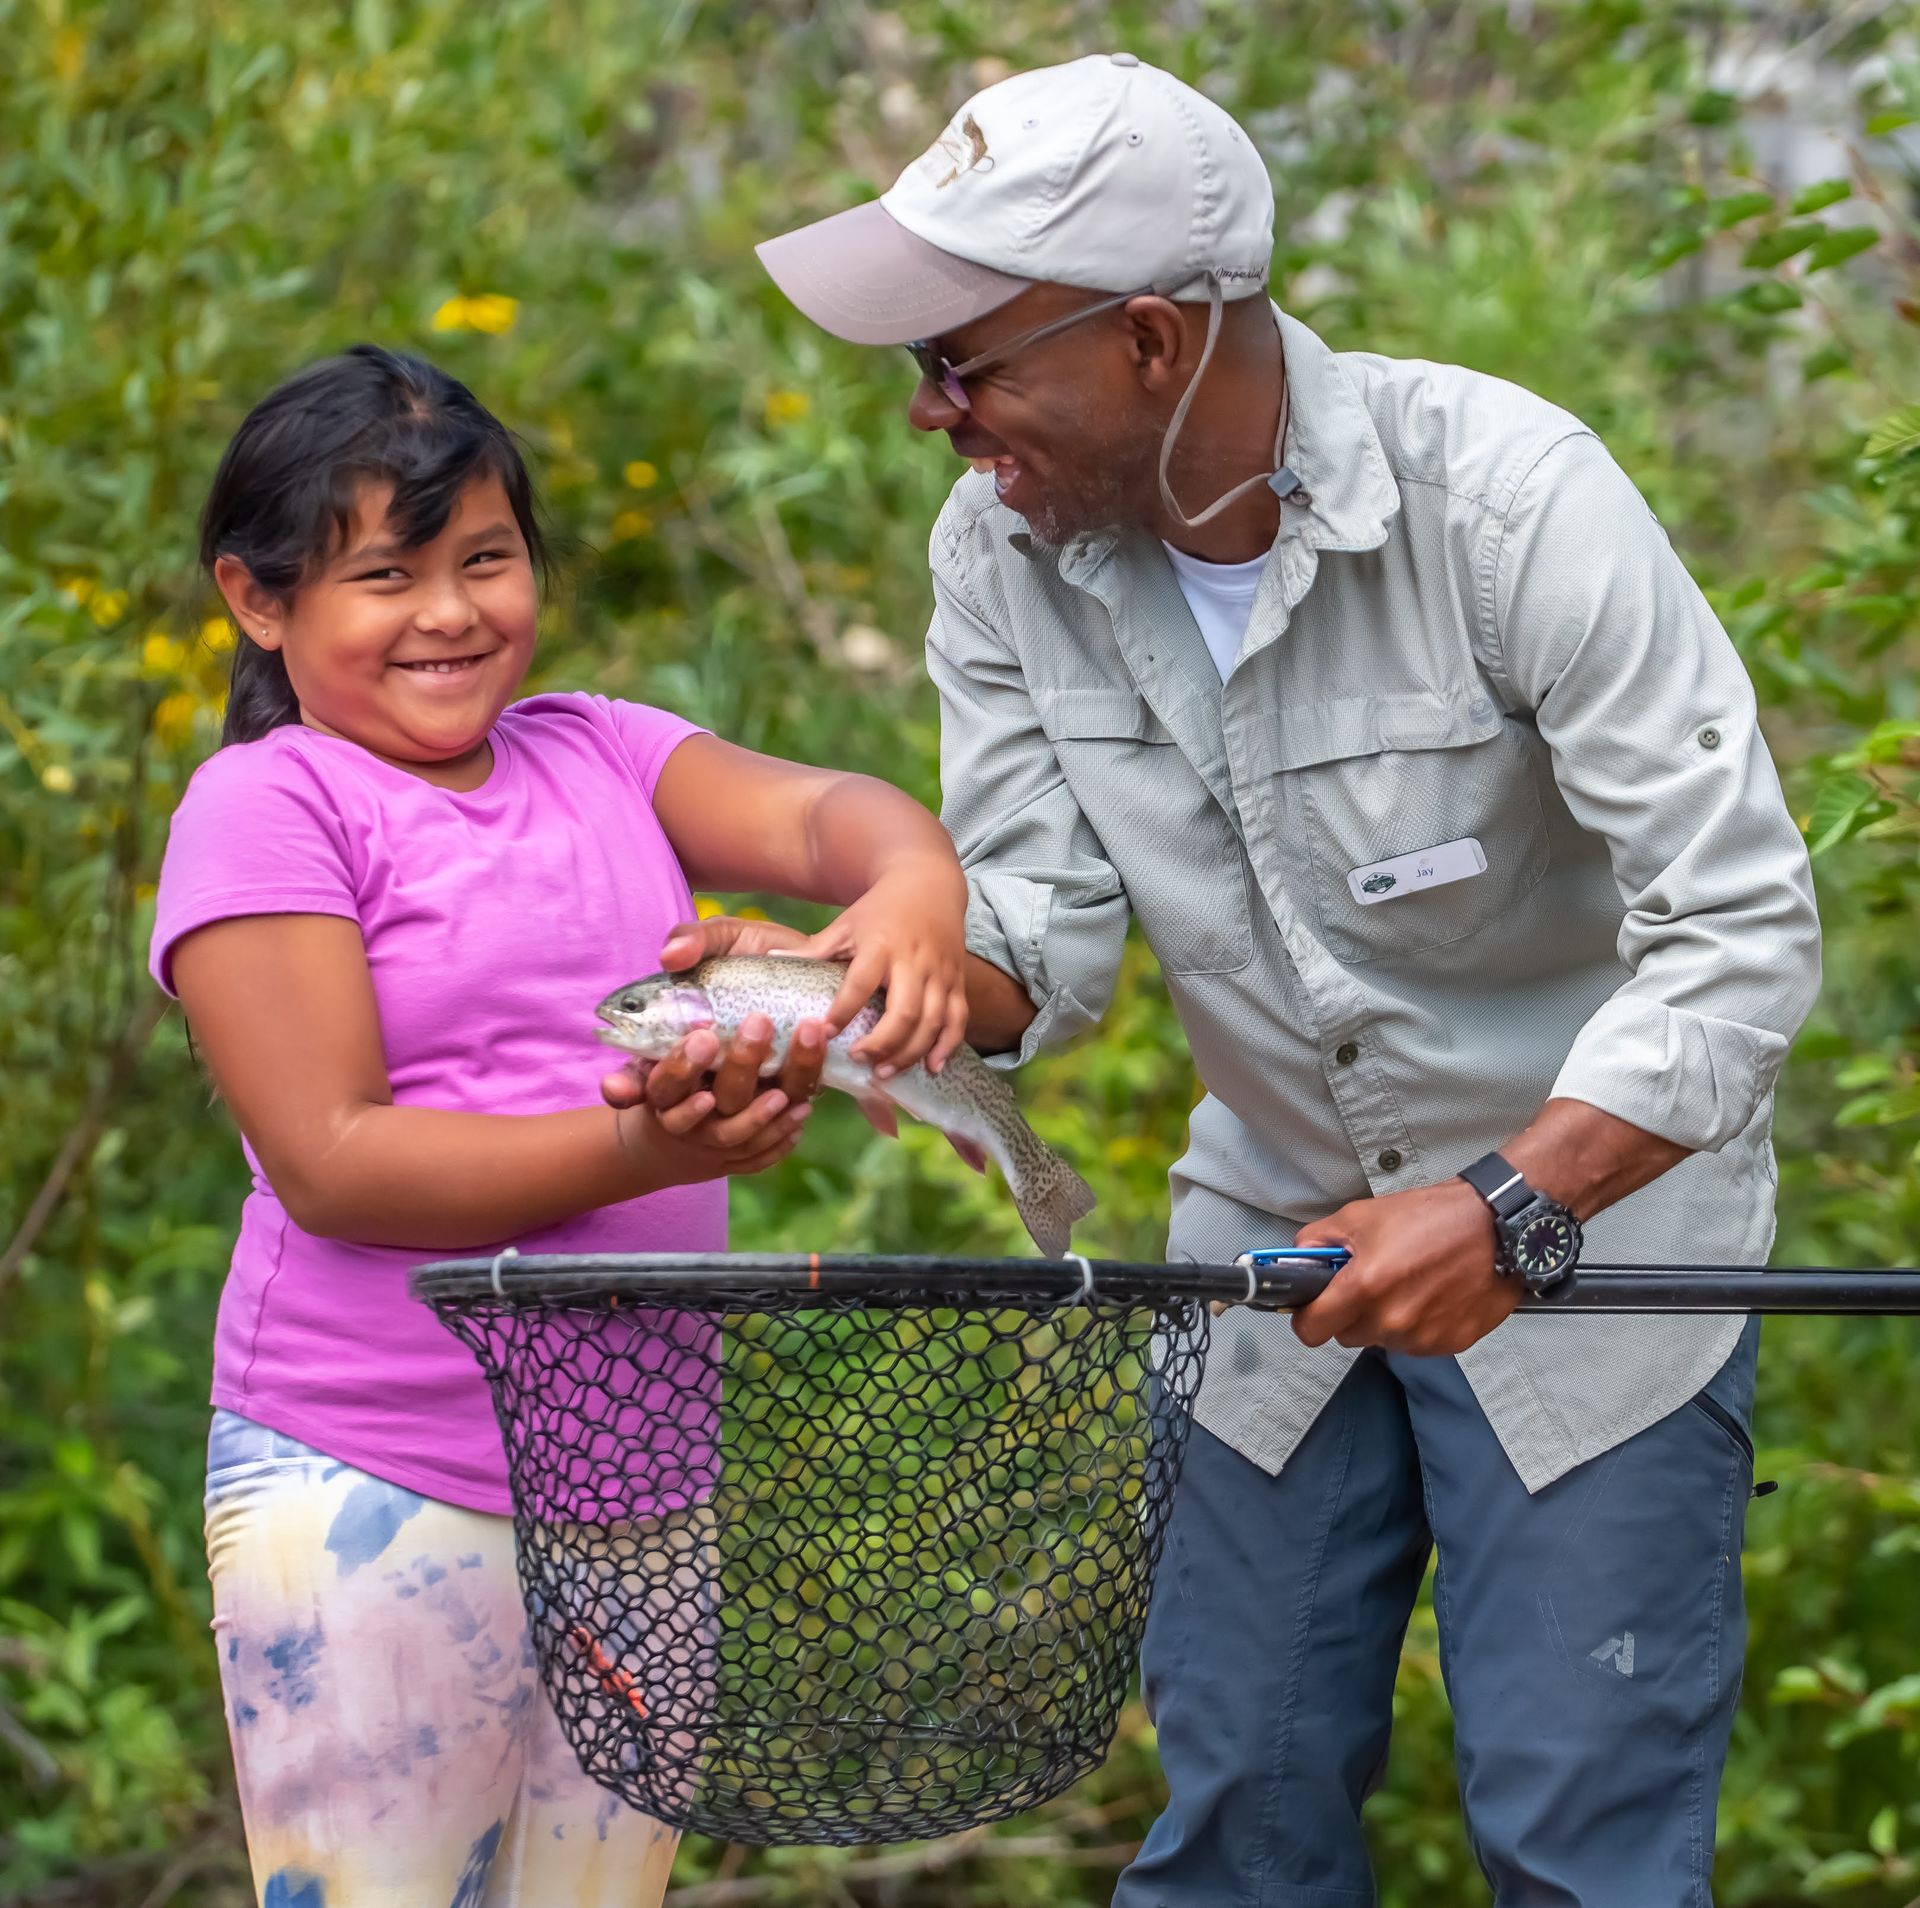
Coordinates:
1158 339
255 608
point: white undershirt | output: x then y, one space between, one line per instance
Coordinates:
1220 596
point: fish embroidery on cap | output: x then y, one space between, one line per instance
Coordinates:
963 148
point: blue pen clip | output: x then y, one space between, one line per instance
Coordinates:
1296 1259
1266 1258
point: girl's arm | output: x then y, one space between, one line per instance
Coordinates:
739 820
282 1007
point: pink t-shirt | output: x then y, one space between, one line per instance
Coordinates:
494 922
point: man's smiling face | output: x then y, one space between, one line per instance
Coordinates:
1064 424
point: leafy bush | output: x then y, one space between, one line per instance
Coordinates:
558 198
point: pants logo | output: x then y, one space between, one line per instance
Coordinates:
1616 1652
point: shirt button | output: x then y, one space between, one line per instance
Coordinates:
1346 1054
1390 1161
1709 738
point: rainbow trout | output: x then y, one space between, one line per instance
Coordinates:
966 1100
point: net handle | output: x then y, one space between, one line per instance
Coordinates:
1279 1278
1803 1291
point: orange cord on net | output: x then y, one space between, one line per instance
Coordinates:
613 1679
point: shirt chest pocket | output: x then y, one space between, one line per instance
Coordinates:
1364 780
1176 853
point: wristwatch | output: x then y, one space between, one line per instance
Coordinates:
1536 1239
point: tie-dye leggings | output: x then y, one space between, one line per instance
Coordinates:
393 1745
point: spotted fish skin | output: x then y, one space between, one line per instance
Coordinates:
966 1099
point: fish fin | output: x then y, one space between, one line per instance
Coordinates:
879 1113
970 1150
1050 1202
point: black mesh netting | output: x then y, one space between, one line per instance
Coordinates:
806 1566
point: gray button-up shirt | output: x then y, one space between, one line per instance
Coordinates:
1470 627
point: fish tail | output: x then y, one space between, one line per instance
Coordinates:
1050 1197
970 1100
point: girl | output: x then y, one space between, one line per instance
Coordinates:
388 906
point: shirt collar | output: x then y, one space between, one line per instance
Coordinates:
1332 447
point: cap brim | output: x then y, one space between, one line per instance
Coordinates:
864 277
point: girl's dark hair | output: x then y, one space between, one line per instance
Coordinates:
283 496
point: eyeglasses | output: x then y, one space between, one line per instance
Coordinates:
947 378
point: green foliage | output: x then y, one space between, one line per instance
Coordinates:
558 198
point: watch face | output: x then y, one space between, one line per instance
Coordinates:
1545 1246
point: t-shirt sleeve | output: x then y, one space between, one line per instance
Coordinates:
257 832
648 735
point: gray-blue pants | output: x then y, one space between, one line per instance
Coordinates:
1591 1639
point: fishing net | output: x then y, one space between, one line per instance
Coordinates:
843 1554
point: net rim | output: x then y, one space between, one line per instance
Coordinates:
723 1282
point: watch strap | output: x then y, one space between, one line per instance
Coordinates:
1500 1183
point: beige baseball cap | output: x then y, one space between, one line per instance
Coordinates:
1105 173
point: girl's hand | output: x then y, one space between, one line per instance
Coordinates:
907 933
688 1142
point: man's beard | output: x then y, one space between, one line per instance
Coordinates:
1112 486
1060 519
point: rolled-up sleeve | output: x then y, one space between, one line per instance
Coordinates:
1043 902
1656 746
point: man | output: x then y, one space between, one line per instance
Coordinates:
1374 691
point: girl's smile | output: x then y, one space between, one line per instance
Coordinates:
458 667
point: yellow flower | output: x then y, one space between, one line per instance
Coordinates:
216 633
641 475
145 891
706 907
173 717
78 589
69 52
160 655
57 778
631 523
787 407
107 606
752 914
491 312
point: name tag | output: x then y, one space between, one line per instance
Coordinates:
1408 874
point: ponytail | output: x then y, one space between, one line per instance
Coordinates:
259 693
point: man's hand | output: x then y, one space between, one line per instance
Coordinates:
1421 1279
